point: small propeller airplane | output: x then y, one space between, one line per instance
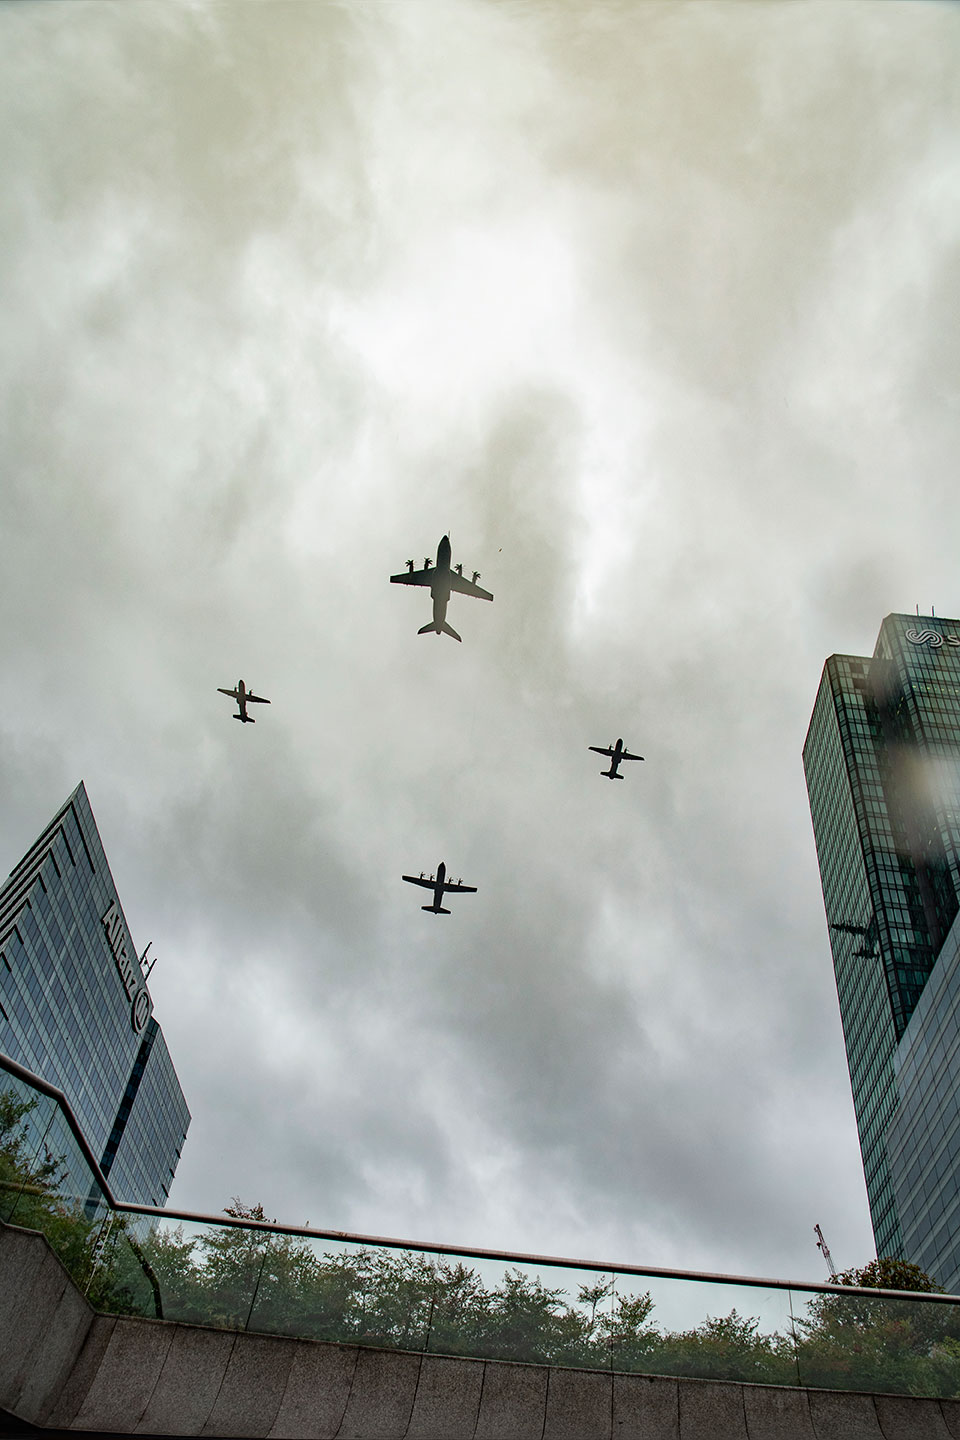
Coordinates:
243 697
439 885
442 579
616 753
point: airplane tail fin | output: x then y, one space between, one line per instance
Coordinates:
444 628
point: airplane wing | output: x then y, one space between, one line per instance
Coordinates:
625 755
419 880
256 699
234 694
414 577
599 750
459 889
468 587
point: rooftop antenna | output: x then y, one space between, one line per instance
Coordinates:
824 1250
153 962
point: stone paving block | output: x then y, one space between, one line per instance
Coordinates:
579 1405
712 1410
381 1396
447 1400
844 1415
61 1411
131 1365
777 1414
513 1402
645 1407
189 1382
904 1418
253 1386
316 1393
55 1354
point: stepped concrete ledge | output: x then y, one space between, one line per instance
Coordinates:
67 1371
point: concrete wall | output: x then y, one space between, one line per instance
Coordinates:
66 1368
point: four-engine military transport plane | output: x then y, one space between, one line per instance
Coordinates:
442 580
438 887
616 753
243 697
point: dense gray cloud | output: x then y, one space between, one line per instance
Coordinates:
649 307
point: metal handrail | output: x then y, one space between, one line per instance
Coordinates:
431 1247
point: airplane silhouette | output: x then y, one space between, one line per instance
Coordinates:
438 887
616 753
868 934
442 580
243 697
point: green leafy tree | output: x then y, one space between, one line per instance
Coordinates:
884 1344
728 1347
625 1333
890 1274
25 1177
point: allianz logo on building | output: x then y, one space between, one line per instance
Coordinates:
140 1006
933 638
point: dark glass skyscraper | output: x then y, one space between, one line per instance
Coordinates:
75 1009
882 761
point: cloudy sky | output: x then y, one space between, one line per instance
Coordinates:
654 309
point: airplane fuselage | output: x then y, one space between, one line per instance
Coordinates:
437 908
437 905
440 585
615 758
242 703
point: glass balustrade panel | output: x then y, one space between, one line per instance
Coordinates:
879 1344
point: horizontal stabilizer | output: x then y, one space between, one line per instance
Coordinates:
425 629
435 909
449 630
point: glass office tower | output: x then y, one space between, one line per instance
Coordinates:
75 1008
923 1140
882 761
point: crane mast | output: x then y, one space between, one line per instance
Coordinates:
824 1250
